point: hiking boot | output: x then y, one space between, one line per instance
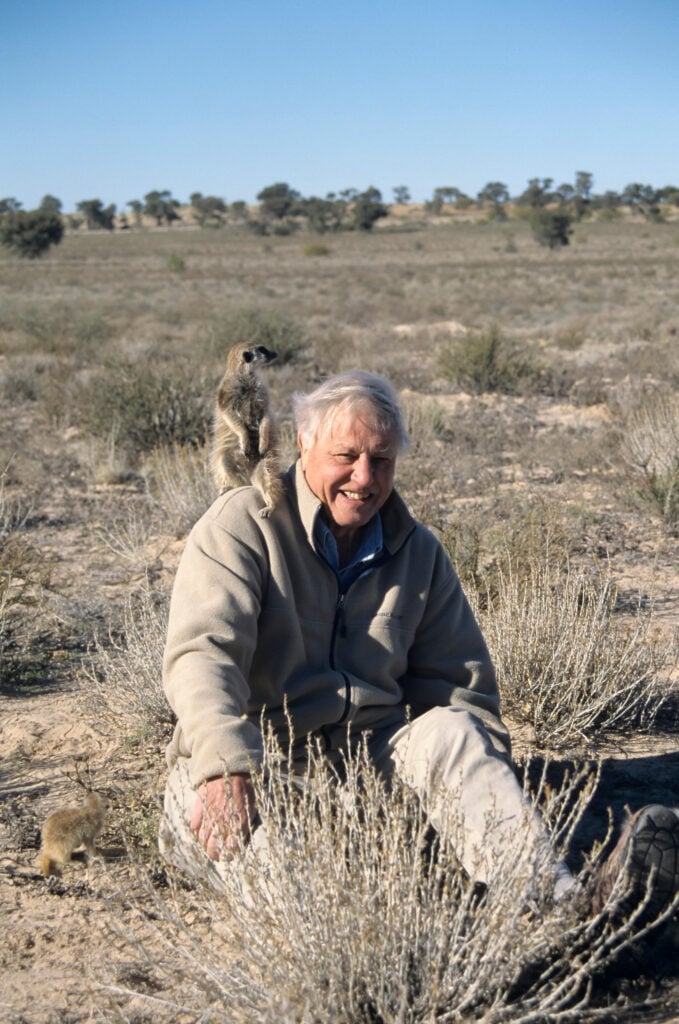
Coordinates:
643 866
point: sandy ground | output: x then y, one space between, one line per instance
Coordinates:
61 938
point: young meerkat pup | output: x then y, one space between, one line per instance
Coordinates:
245 439
67 829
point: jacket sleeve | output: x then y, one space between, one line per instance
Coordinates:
448 663
212 633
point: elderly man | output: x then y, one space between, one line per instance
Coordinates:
343 613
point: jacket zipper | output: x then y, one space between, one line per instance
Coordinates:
339 609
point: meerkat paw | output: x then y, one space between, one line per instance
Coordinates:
265 513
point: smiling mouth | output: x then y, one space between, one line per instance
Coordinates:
355 495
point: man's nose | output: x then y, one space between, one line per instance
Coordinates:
363 470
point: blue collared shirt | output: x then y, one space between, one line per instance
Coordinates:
369 548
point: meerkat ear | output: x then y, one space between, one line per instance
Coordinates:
248 356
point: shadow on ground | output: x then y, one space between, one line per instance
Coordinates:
626 784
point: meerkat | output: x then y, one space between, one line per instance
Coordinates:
67 829
245 439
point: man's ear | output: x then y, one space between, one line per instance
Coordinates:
302 449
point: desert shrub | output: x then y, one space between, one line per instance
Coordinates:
146 406
510 242
128 530
24 577
56 327
609 214
275 329
551 228
317 249
122 680
30 233
565 665
485 539
487 361
361 915
571 336
650 444
175 264
180 485
20 384
424 418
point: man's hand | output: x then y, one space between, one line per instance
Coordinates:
223 814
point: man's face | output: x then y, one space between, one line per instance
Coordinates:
350 468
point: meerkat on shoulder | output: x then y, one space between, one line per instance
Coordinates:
245 439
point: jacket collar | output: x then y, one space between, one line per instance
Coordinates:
397 522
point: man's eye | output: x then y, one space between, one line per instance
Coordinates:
344 457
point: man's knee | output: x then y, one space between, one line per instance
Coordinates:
451 732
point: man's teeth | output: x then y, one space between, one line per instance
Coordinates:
354 495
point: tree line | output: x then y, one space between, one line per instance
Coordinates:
282 210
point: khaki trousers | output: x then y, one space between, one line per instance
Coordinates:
469 791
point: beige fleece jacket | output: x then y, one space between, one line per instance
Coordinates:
257 618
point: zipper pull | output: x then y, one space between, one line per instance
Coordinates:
342 629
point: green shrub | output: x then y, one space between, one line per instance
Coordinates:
56 326
175 264
145 407
551 227
317 249
275 329
30 233
486 361
609 214
489 538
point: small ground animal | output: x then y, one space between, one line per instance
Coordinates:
67 829
245 439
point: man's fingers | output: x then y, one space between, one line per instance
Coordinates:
222 815
212 847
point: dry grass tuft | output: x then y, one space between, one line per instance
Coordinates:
24 577
123 678
565 664
181 486
144 406
358 915
487 361
650 441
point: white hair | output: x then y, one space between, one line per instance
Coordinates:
354 391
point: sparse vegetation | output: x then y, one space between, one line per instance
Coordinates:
181 485
566 665
551 228
176 264
358 914
486 361
123 678
24 577
534 440
650 443
255 325
146 406
30 233
316 249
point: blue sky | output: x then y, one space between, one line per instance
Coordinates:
110 100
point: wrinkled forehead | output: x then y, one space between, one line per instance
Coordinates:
359 425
